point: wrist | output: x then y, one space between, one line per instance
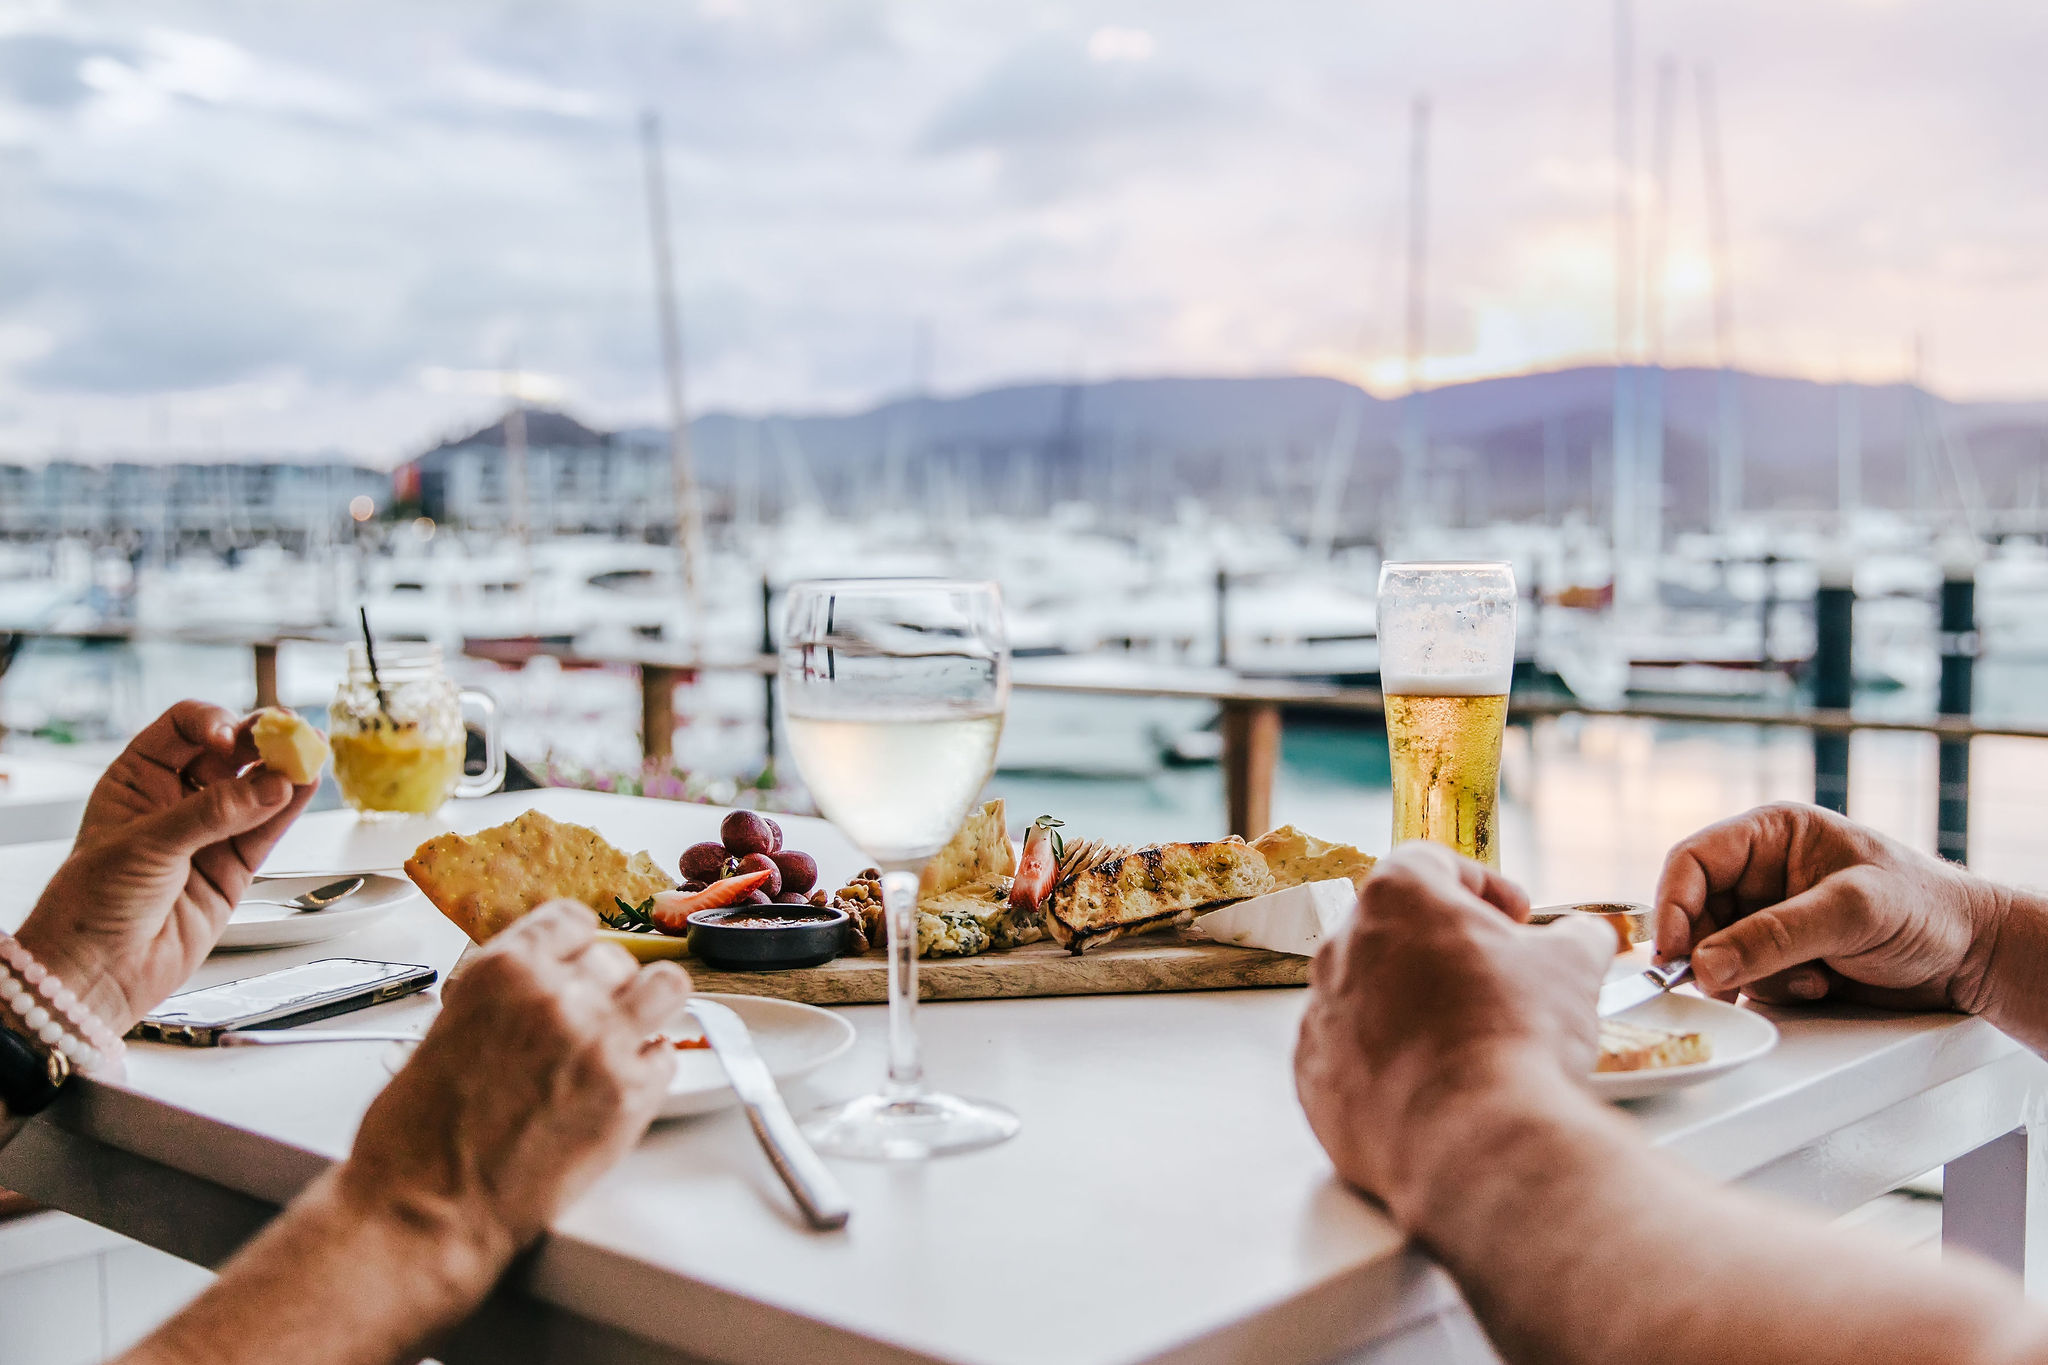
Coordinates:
1465 1119
2009 968
64 952
456 1251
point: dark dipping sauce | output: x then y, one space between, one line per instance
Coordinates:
773 921
767 938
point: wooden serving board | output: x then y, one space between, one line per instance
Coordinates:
1160 962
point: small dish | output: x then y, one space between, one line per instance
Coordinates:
759 938
1739 1036
794 1040
276 926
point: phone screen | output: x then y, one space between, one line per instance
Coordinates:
275 993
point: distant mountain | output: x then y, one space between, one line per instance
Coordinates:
1520 446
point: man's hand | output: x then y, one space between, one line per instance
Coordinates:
1791 902
1438 992
536 1077
171 837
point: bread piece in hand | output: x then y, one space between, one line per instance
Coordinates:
1640 1047
1152 888
484 881
287 743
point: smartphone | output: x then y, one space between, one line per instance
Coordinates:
295 995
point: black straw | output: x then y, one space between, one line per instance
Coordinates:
370 652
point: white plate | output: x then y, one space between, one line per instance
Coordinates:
1738 1036
273 926
794 1040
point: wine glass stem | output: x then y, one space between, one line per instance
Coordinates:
899 902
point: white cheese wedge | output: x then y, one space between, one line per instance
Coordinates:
1294 919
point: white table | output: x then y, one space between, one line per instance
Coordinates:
1165 1202
42 798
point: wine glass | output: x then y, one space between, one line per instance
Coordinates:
893 692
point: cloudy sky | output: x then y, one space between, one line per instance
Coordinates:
335 225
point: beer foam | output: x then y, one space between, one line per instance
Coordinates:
1493 683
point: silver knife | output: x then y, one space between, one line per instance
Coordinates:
1631 991
823 1202
282 1037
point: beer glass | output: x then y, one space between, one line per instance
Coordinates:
1447 651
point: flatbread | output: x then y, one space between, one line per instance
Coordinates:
1298 858
485 881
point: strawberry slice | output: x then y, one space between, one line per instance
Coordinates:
1039 868
672 909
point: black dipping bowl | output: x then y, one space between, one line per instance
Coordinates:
808 937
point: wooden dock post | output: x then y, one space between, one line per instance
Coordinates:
1251 754
1834 684
265 654
658 709
1957 642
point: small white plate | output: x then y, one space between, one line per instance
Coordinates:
793 1039
274 926
1738 1036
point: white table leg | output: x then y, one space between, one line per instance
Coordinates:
1992 1202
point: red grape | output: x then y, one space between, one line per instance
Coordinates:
791 898
774 832
761 862
758 898
799 870
693 887
745 832
704 862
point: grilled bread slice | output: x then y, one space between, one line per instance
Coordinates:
1639 1047
1151 888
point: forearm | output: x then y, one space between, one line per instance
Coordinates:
1574 1242
334 1281
2015 994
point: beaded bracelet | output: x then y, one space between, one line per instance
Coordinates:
59 1018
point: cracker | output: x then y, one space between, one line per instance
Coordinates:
485 881
979 853
1298 858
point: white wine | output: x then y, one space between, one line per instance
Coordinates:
897 787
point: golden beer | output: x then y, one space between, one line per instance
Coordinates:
1446 761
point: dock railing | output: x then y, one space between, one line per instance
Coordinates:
1250 716
1250 720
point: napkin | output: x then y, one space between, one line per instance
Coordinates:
1295 919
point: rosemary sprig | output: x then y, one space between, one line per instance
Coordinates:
634 919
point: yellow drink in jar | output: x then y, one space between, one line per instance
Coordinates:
396 768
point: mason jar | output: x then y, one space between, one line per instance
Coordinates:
398 735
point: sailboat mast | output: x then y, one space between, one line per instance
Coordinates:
1728 442
1624 496
1415 438
689 514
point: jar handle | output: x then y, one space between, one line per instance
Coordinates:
493 775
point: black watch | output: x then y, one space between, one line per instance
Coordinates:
29 1076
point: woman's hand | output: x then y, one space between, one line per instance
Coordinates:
1434 998
171 837
538 1074
1791 902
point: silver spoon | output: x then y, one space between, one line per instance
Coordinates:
320 897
